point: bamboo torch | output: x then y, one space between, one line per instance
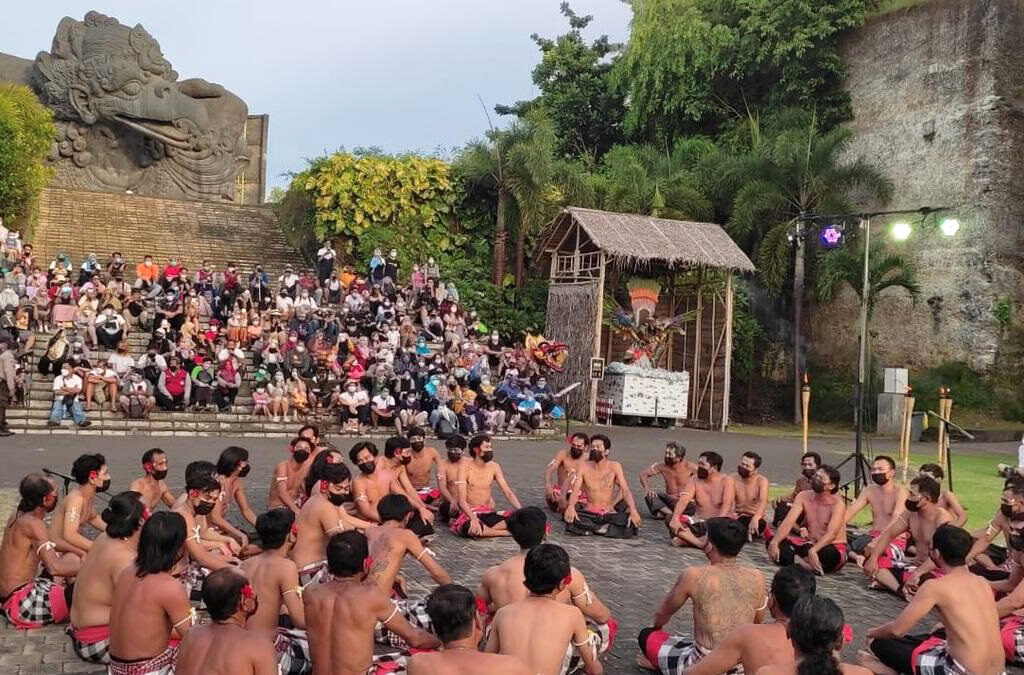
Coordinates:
805 399
908 416
948 414
942 425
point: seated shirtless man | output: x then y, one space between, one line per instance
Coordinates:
824 514
206 549
603 514
810 462
150 613
478 516
564 467
380 476
1010 605
232 468
29 599
725 595
676 471
460 628
448 474
397 458
817 631
541 629
343 610
504 583
286 486
323 515
948 499
921 519
111 553
77 509
751 495
424 459
275 578
966 607
715 496
225 646
1011 511
885 498
753 646
153 484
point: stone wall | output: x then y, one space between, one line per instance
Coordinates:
938 107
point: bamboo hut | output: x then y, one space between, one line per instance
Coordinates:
588 254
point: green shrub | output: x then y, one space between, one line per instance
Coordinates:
969 389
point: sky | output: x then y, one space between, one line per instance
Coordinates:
398 74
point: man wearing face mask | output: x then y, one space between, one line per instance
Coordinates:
715 496
886 498
206 549
565 466
751 495
225 645
355 407
824 513
26 544
448 475
77 509
676 471
809 464
1009 515
232 468
598 478
66 390
425 459
479 516
152 486
391 476
286 486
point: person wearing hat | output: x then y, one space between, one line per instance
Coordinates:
289 281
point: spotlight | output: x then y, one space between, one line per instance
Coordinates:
950 226
831 236
900 231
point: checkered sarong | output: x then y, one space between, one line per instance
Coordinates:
1011 630
91 644
415 612
395 663
292 647
36 604
932 658
192 579
162 664
602 637
312 572
671 654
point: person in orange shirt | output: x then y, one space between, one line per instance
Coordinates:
146 273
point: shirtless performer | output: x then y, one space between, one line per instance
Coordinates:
756 645
478 516
448 473
206 549
715 496
504 583
321 458
676 472
725 595
824 512
751 496
112 552
275 578
810 462
816 630
923 516
1009 606
225 646
232 468
947 500
28 599
150 612
286 487
460 627
77 509
541 629
603 514
342 611
380 476
397 458
424 458
565 466
153 485
966 608
321 516
1010 513
886 498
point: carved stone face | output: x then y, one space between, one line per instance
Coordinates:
124 120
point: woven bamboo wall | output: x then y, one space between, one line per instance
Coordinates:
572 309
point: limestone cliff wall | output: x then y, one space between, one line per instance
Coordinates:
939 107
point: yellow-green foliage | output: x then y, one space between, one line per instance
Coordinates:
26 134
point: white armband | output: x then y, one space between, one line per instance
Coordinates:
46 546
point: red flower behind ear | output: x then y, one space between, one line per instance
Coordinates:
145 514
567 580
547 528
148 466
92 474
193 493
847 634
368 564
295 529
248 592
331 460
481 606
324 485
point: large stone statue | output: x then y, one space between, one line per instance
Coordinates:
125 122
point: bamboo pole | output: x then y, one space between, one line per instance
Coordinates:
942 426
728 350
947 412
805 400
596 348
908 416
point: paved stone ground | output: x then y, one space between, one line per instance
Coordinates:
631 576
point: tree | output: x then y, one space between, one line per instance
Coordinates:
789 174
845 267
576 90
26 136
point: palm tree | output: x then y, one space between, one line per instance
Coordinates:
845 266
789 174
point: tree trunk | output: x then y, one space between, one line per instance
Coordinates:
798 322
520 254
500 235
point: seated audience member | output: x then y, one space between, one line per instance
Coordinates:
343 611
564 467
67 387
751 489
152 486
816 633
77 509
885 497
715 496
823 551
174 388
150 612
101 384
676 471
112 552
966 607
137 400
355 407
601 515
225 646
478 515
810 462
541 629
716 612
30 599
460 628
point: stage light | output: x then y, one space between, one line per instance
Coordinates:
900 231
950 226
831 236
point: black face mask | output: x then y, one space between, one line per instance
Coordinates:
912 506
817 485
596 455
743 471
487 456
244 472
337 498
300 456
160 475
454 457
809 473
368 467
1007 510
104 487
405 459
416 445
205 508
1016 541
879 478
670 461
702 473
575 453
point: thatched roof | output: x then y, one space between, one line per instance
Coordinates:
647 240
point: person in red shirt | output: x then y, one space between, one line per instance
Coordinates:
174 388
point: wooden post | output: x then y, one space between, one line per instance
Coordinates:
727 385
598 322
942 426
908 416
805 402
947 412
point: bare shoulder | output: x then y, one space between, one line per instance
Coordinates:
136 485
849 669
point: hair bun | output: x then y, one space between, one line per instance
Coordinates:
107 515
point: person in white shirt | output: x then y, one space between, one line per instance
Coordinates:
354 300
304 305
108 329
382 408
355 404
288 281
121 361
393 336
66 388
101 384
325 261
284 304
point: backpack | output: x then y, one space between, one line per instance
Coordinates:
136 408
